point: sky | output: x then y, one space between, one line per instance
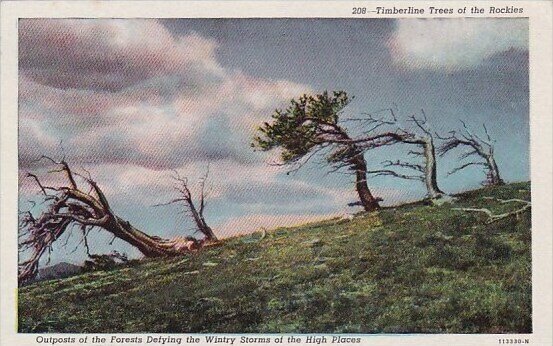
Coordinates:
131 100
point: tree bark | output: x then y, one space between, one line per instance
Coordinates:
494 177
149 246
430 173
368 201
200 222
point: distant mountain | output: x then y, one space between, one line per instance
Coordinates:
58 271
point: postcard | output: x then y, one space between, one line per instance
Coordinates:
264 173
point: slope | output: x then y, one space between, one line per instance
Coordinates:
415 268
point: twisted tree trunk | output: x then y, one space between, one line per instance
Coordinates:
200 221
149 246
70 205
430 172
368 201
493 171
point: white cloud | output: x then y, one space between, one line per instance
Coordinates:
174 107
454 44
108 54
137 95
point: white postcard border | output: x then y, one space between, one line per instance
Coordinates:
541 114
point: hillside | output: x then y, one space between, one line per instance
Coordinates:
409 269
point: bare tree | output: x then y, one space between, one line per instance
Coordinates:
421 137
197 214
84 207
479 147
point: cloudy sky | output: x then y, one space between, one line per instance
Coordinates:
132 100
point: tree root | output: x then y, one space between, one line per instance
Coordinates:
496 217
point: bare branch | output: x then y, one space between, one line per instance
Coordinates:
197 215
388 172
176 200
468 154
415 153
457 169
202 190
42 188
421 123
478 146
68 206
402 164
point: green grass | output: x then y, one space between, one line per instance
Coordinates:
410 269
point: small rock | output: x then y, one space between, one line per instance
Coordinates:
443 200
210 264
440 235
192 272
320 260
321 266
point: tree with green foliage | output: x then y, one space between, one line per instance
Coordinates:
311 125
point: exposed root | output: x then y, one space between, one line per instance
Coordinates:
252 240
263 233
496 217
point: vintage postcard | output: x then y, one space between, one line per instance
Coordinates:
307 173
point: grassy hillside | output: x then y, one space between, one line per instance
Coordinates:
409 269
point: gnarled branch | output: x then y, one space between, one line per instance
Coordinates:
478 146
68 205
197 214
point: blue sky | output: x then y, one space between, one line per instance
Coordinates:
132 100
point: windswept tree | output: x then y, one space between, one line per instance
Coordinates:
190 209
311 125
420 136
81 204
480 151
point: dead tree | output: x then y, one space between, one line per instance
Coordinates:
478 146
197 214
421 137
85 207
